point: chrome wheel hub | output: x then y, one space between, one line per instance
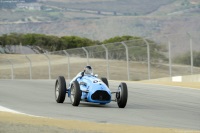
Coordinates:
57 90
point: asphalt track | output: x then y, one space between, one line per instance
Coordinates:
148 105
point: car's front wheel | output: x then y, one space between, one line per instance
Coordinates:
122 95
76 93
60 89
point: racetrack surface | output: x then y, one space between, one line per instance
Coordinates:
148 104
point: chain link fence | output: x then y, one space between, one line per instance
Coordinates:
138 59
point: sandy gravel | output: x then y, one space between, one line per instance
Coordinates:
17 123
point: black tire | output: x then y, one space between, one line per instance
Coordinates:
76 93
60 89
122 95
105 81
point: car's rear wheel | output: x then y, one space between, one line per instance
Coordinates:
76 93
122 95
105 81
60 89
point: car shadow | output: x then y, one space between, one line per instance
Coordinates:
96 105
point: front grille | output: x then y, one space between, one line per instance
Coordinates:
101 96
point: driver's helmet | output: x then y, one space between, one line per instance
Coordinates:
88 70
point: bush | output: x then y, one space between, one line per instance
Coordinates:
137 46
47 42
186 59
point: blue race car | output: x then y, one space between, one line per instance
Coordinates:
89 88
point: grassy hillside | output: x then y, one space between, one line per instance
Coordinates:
116 18
126 7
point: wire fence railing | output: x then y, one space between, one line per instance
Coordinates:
139 59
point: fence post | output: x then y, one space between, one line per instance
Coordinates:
86 55
148 56
20 47
30 66
68 63
12 69
170 57
49 64
106 60
191 52
127 60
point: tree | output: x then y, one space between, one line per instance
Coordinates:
137 46
137 49
74 42
120 39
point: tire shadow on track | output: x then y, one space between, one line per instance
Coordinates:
92 105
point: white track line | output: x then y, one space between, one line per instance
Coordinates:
4 109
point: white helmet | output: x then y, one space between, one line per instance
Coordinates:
88 70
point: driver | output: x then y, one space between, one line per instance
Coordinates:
87 71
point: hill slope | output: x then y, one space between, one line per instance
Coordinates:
102 19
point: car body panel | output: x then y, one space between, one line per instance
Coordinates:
93 90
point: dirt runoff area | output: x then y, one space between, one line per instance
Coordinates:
19 123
